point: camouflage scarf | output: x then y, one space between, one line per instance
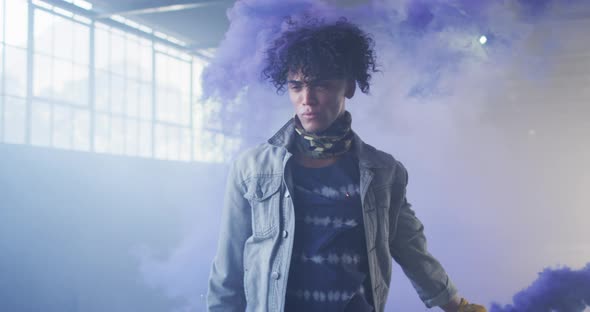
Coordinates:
332 142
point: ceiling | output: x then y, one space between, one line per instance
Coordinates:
203 23
200 23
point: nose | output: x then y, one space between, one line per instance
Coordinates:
308 96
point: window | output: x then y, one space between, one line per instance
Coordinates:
93 87
60 114
123 96
14 70
173 104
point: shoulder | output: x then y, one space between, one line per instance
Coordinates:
262 159
388 163
378 156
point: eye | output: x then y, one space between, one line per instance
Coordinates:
321 86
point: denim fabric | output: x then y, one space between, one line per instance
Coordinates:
250 269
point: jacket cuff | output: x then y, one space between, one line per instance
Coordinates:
443 297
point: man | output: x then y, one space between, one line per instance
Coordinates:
313 217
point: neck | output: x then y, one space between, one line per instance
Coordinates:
309 162
329 144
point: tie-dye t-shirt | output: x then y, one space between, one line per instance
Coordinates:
329 267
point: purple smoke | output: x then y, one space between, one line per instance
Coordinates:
255 23
410 25
560 290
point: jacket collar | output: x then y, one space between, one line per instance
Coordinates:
366 154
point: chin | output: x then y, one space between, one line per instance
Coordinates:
315 129
309 128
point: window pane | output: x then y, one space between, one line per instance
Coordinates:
183 77
131 138
132 57
41 124
81 130
197 145
173 143
16 71
62 127
117 96
161 70
1 63
117 50
185 106
132 97
14 120
161 142
16 22
81 43
164 68
64 38
145 101
43 75
173 103
62 77
1 20
145 139
102 91
101 48
185 144
101 133
117 135
44 32
172 90
197 115
145 61
79 85
163 111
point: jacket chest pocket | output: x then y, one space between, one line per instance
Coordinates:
264 197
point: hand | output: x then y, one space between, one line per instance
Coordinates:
465 306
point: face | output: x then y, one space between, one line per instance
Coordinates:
318 103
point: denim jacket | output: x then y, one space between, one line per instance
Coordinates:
250 269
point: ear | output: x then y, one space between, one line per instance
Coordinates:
350 88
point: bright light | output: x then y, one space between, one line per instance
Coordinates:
483 40
83 4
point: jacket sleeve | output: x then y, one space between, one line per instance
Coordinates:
408 248
226 287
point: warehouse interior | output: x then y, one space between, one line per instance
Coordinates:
113 162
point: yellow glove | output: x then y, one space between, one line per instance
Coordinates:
465 306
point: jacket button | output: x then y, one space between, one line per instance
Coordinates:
287 194
275 275
285 234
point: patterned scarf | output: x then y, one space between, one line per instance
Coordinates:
332 142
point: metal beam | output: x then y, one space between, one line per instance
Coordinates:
178 5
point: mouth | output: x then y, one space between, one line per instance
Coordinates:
310 115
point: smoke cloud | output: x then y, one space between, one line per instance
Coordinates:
425 50
434 34
559 290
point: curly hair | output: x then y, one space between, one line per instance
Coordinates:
321 51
